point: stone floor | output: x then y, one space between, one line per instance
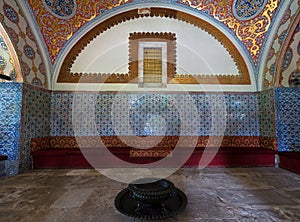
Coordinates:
214 194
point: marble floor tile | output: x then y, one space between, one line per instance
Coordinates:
214 195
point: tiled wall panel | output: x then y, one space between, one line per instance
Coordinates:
287 106
86 114
67 114
154 114
35 119
10 125
266 113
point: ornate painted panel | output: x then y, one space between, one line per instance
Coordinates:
61 9
9 63
59 20
21 36
281 55
289 74
247 9
239 76
249 20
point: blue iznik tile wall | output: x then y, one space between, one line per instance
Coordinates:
287 107
266 113
28 111
47 113
154 114
10 124
35 119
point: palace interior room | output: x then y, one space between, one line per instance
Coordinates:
96 94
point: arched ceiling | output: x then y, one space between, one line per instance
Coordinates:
251 24
9 63
16 29
195 30
248 20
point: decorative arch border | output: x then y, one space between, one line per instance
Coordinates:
273 46
279 69
65 76
14 56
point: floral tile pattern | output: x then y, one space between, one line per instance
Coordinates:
46 113
266 113
287 105
35 119
10 125
107 114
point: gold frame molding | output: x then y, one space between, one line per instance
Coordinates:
65 76
137 37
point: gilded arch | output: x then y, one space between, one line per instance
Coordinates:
65 75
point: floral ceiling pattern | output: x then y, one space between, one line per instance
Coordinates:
18 32
59 20
248 20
